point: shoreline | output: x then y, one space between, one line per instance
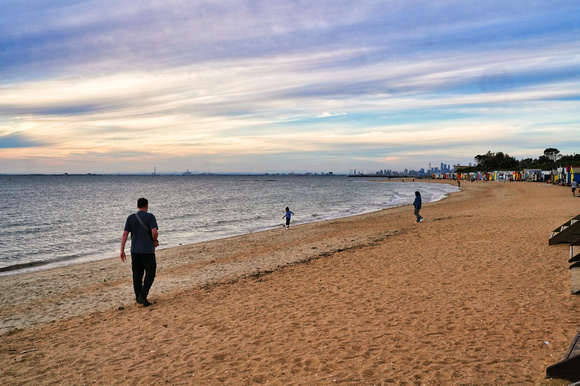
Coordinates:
471 294
36 266
105 275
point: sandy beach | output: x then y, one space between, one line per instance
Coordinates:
472 295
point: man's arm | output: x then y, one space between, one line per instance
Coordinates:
155 234
123 242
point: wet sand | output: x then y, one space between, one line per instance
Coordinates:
472 295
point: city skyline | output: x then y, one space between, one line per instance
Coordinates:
443 167
281 86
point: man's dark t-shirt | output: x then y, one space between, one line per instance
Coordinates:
141 239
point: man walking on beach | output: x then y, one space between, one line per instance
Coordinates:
417 205
574 184
144 234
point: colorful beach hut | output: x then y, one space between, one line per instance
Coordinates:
572 173
535 175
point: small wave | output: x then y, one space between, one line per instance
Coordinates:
39 263
211 210
19 266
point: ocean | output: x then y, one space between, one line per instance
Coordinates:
52 221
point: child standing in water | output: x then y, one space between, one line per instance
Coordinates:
288 215
417 205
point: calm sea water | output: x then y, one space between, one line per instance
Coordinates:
61 220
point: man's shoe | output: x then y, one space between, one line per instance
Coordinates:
143 301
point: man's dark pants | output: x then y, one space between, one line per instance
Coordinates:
143 263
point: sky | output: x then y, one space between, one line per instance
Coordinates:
109 86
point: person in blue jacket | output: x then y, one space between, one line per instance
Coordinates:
417 205
287 216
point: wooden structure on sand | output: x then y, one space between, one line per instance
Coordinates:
575 267
567 232
569 367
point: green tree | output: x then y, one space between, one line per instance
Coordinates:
570 160
496 161
552 154
502 161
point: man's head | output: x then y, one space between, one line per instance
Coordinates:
142 203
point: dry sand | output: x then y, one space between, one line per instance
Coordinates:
472 295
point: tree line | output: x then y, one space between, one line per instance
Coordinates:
552 158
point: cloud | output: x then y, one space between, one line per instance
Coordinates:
19 141
326 114
97 36
193 79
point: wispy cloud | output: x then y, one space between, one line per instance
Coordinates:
18 140
206 82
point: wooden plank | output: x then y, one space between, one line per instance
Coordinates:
569 368
566 233
574 349
575 279
574 251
